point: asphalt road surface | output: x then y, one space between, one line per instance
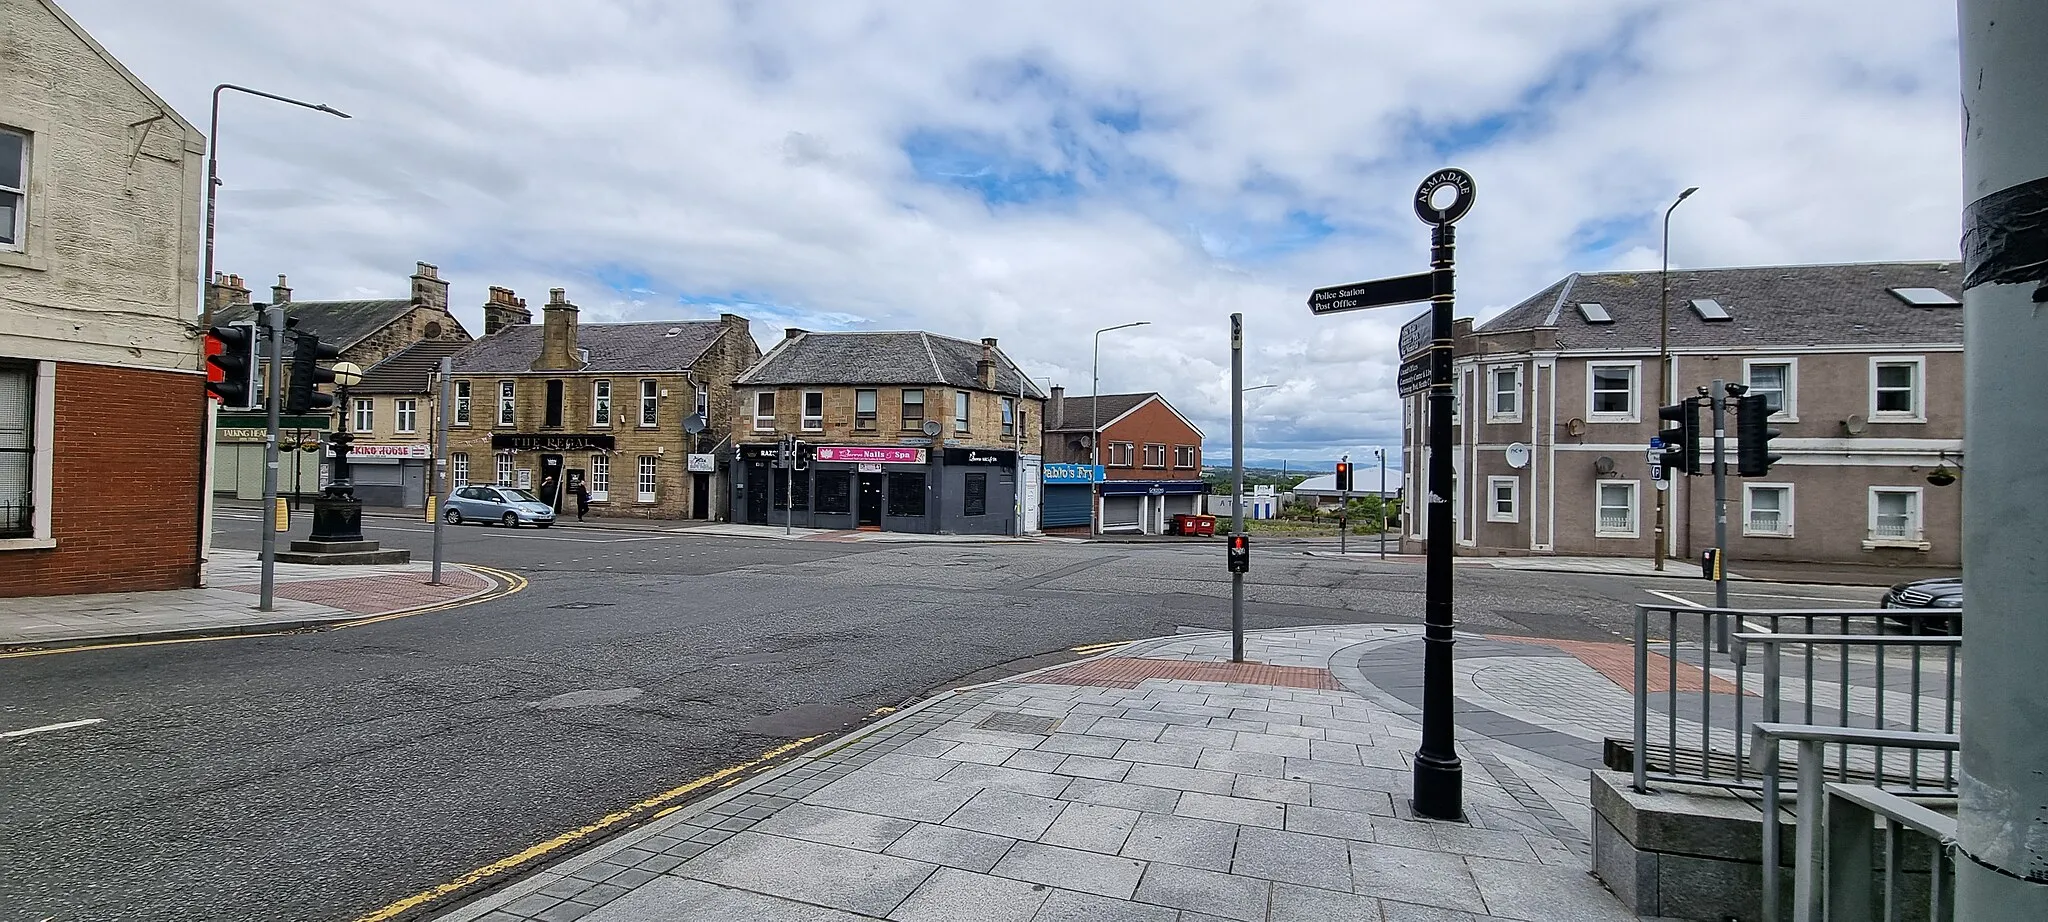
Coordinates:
320 776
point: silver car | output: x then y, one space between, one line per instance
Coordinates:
506 505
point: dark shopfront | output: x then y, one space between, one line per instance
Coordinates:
959 491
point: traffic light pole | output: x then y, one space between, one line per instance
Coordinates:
1718 399
1381 455
1344 508
273 401
1237 480
442 482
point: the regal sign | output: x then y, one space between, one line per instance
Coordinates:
521 442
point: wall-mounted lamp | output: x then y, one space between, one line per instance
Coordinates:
1942 476
1603 465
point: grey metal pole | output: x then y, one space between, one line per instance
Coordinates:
1664 372
1237 480
1017 485
273 321
1718 398
442 484
1095 436
1381 454
2001 827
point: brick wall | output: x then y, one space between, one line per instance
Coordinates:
124 501
1152 424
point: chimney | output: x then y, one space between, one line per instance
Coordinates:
504 309
280 293
226 291
427 287
985 370
1056 408
558 335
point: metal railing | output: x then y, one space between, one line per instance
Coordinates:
1847 811
1818 667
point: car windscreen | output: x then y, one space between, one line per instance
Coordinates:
518 496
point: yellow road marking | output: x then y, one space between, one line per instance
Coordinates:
1094 647
510 862
513 582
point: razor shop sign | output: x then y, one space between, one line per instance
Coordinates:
516 442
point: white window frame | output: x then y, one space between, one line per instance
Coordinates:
42 466
1189 451
1635 393
1916 537
813 423
600 478
405 415
646 478
1149 463
1919 393
873 417
1785 523
650 403
1790 412
963 411
1514 485
508 404
703 403
19 232
903 403
461 416
1128 449
601 403
1635 509
1494 414
504 470
764 423
1009 405
366 415
458 470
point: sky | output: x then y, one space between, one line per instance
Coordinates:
1037 171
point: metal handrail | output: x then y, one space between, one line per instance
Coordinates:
1851 808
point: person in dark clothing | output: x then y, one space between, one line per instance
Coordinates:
582 500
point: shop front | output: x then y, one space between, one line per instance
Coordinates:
389 474
1069 494
915 489
1147 506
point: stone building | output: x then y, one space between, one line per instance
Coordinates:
903 432
1558 399
103 407
623 409
368 332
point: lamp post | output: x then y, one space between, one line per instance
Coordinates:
213 182
337 516
1095 419
1664 370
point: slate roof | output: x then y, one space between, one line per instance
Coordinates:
342 323
1771 306
913 357
614 347
410 370
1077 410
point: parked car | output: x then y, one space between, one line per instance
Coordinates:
1928 594
507 506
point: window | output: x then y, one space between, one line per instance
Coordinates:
1009 416
814 411
913 410
704 404
505 404
600 403
906 495
1772 379
1895 390
1767 510
600 478
366 414
974 500
553 417
1122 454
764 411
1458 399
13 190
646 486
504 468
19 485
1184 456
462 403
408 414
1895 517
650 403
962 400
458 466
1503 499
1505 384
864 409
1155 455
1617 512
835 493
787 481
1611 392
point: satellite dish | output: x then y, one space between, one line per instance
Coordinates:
694 423
1603 465
1518 456
931 428
1854 424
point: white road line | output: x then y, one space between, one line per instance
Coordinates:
1803 598
1672 598
69 724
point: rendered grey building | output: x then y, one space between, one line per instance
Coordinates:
1558 399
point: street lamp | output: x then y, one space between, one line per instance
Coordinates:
213 182
1095 417
1664 369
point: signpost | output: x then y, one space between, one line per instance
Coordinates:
1441 199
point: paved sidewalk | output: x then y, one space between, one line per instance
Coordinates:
1158 784
304 595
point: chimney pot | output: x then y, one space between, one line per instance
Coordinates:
502 309
558 296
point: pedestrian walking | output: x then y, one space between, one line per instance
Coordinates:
582 500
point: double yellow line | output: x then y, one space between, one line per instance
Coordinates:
508 583
1097 647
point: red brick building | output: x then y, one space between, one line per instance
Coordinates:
102 408
1151 457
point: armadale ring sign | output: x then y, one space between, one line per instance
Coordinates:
871 454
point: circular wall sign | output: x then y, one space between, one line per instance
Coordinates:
1518 456
1462 192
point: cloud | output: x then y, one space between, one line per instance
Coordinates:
1037 171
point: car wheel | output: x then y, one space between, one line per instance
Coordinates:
510 520
452 516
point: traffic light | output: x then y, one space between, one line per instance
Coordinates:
231 366
1682 441
800 457
1240 554
1713 563
1753 435
1344 476
303 395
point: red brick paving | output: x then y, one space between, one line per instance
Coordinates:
377 595
1617 661
1127 672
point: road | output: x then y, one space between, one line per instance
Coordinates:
320 776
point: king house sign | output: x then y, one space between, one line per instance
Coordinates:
517 442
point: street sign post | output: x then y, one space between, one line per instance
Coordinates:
1406 289
1414 376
